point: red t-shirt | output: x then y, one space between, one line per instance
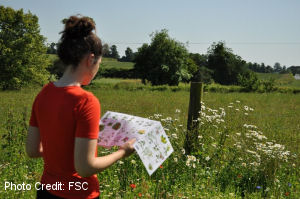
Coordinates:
61 114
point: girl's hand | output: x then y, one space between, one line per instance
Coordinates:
128 148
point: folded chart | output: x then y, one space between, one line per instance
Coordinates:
152 144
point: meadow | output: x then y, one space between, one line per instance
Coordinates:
247 144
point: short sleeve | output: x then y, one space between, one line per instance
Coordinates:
88 117
33 118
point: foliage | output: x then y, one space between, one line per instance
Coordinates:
117 73
52 48
294 69
164 61
249 81
23 54
129 56
114 52
56 68
202 73
241 164
268 85
106 50
226 65
260 68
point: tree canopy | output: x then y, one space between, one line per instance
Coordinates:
164 61
226 66
23 53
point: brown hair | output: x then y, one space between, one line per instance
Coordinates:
77 40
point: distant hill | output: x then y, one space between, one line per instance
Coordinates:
106 62
114 63
280 79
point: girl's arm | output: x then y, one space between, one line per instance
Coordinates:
86 164
34 147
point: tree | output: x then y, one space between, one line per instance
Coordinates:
106 50
277 67
129 56
164 61
225 64
114 52
52 48
23 53
201 73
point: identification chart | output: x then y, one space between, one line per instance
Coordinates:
152 144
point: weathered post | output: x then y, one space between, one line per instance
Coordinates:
196 94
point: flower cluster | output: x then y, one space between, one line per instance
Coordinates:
191 161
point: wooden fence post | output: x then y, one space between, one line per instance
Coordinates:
196 94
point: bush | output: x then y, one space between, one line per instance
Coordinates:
118 73
23 53
249 81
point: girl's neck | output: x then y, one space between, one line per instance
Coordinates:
69 78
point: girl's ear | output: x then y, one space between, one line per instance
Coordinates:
90 59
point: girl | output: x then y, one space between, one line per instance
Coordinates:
64 122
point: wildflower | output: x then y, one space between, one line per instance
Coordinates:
287 193
237 109
252 152
177 111
267 189
191 158
133 162
258 187
254 164
183 151
120 162
289 184
237 101
188 163
246 108
133 186
239 176
246 113
161 166
140 195
200 136
244 164
174 136
157 116
175 160
194 165
207 158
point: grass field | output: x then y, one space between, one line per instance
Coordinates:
219 171
106 63
280 79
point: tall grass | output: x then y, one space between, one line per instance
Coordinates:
231 157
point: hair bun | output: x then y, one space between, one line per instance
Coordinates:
78 27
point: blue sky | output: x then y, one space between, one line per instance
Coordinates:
258 30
